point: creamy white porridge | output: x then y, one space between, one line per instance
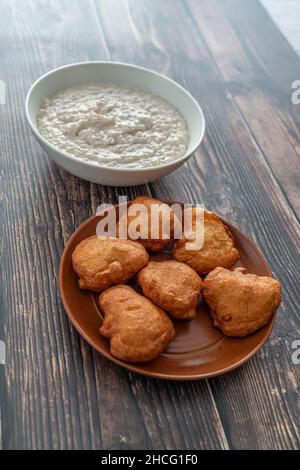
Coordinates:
114 126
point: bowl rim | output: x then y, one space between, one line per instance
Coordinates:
105 167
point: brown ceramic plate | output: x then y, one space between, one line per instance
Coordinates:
198 350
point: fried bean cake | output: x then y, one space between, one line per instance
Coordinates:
240 303
104 262
218 248
139 331
172 286
158 218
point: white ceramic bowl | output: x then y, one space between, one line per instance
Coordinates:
123 74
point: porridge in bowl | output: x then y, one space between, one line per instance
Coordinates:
114 126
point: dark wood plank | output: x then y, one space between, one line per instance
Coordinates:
2 294
231 175
258 67
247 414
47 382
58 393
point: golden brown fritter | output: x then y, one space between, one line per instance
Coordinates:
240 303
104 262
163 223
138 330
218 248
173 286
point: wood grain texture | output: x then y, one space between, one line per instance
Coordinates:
55 391
58 393
258 68
232 176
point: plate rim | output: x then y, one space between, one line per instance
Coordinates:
132 367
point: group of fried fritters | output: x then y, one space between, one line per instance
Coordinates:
139 326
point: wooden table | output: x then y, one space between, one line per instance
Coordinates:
56 392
